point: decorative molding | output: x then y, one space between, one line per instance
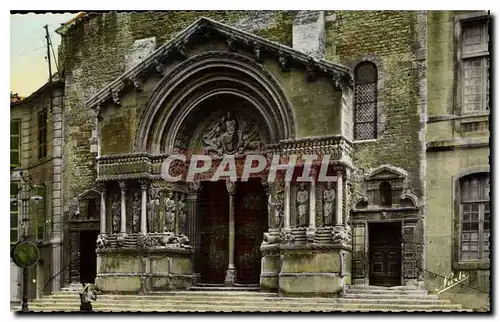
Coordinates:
235 35
276 111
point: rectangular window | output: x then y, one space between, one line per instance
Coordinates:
14 212
475 214
475 66
42 134
15 143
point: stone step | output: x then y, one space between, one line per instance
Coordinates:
212 309
236 307
224 289
391 292
236 294
374 287
362 296
248 302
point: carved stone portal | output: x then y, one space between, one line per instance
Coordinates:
231 135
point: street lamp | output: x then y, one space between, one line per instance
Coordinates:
26 254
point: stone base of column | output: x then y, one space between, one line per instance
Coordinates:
196 278
230 276
311 235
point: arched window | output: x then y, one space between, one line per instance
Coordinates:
475 217
385 191
365 101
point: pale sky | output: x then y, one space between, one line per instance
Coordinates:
28 67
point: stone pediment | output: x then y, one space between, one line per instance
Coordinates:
89 194
387 172
205 27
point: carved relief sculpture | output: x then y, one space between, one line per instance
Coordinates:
181 208
136 213
279 205
116 211
341 235
302 198
329 195
231 136
169 212
153 207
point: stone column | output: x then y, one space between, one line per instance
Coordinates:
286 213
123 213
310 232
194 227
144 212
231 270
338 209
102 187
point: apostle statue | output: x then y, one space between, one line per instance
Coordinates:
302 197
181 211
116 211
329 195
153 207
136 213
169 203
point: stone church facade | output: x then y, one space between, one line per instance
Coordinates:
367 89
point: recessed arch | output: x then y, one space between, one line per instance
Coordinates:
193 81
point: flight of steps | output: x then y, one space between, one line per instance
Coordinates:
356 298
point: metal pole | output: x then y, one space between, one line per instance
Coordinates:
24 306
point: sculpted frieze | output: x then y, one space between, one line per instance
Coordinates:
231 135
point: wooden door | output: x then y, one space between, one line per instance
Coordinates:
214 242
250 225
385 254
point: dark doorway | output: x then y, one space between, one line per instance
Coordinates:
88 256
250 225
214 243
385 253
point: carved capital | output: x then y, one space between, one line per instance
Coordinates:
144 184
123 186
194 186
231 187
101 187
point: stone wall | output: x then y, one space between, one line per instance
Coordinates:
388 39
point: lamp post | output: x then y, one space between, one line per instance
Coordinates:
26 190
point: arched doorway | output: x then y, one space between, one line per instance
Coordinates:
250 218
